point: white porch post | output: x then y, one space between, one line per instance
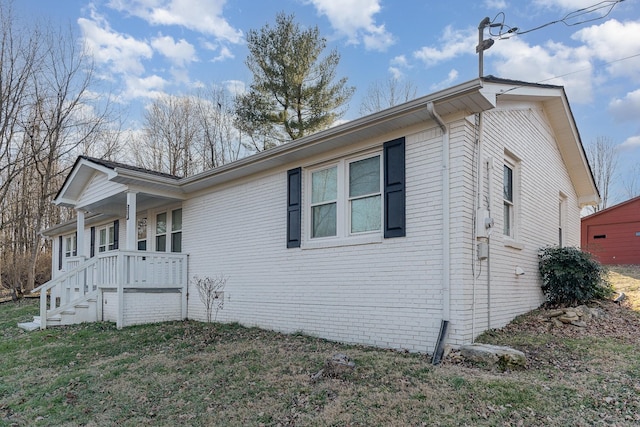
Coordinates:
80 232
132 227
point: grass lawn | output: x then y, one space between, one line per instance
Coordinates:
198 374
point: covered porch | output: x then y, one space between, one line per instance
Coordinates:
121 258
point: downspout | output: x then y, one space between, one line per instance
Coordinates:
446 243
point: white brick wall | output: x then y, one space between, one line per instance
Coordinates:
524 132
386 294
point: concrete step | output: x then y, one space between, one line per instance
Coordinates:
29 326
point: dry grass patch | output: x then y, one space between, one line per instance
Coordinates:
626 278
190 373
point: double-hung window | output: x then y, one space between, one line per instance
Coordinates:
511 199
169 231
507 184
106 238
346 198
70 246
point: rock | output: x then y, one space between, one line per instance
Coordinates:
554 313
579 323
556 322
338 364
568 319
584 312
494 356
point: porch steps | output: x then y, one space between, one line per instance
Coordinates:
77 312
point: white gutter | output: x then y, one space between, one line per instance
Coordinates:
446 196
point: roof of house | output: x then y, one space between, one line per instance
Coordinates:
117 165
466 98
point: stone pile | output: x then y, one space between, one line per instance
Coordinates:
577 316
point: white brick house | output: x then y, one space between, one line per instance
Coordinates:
373 232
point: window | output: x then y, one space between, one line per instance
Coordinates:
142 234
176 230
362 196
70 246
106 238
161 232
346 198
169 231
510 198
507 184
561 219
324 201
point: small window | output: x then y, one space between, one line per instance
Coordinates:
507 182
70 246
142 234
161 232
168 231
600 236
176 230
106 238
637 233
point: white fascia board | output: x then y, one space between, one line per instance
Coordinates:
266 159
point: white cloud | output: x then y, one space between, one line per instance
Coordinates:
451 78
179 53
630 143
354 19
552 63
565 4
612 41
235 87
225 53
495 4
203 16
454 43
123 53
143 87
627 108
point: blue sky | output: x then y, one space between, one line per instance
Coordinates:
147 47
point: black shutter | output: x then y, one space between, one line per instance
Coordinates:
92 248
116 233
394 195
60 250
75 251
294 207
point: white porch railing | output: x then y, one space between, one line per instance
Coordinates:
119 270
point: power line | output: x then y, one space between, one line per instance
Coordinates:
587 69
506 31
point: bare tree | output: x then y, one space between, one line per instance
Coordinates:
603 158
381 95
187 134
631 182
170 135
220 139
46 114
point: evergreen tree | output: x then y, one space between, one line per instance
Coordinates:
293 92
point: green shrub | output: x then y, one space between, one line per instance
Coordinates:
571 276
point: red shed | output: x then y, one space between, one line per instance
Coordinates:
613 234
